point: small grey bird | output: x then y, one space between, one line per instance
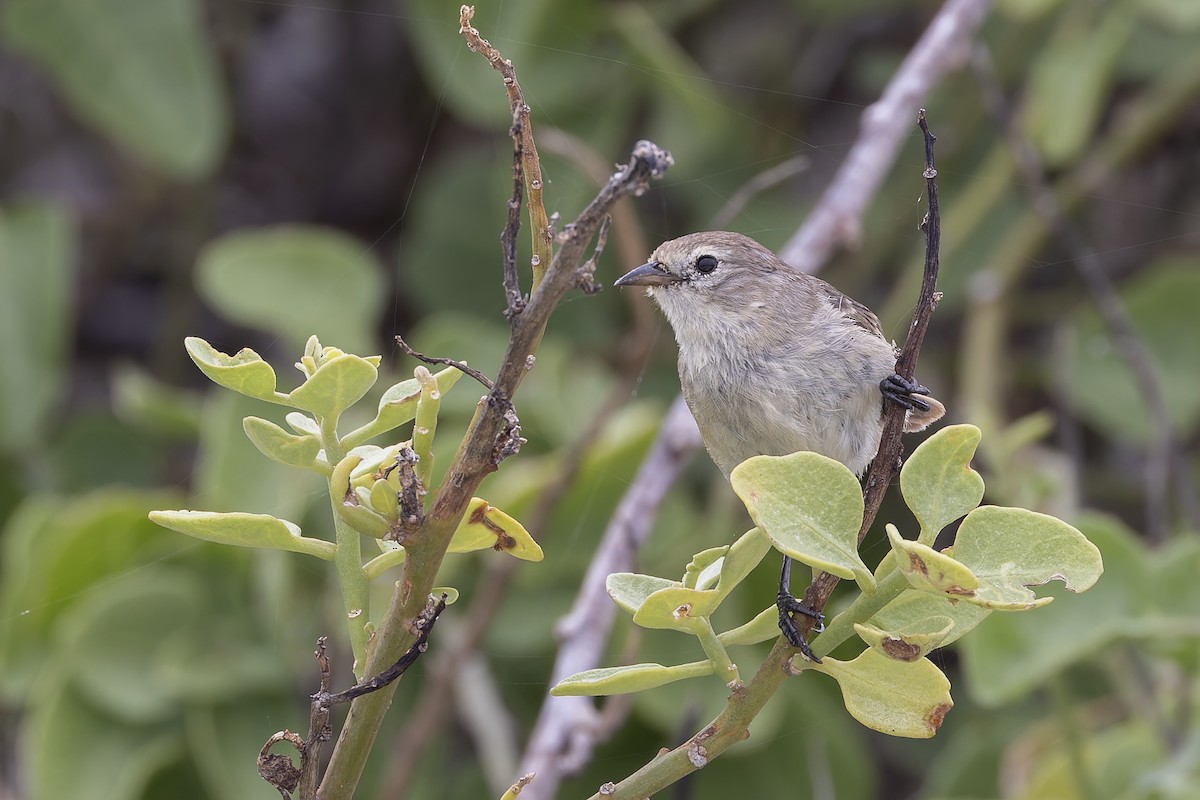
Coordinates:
773 360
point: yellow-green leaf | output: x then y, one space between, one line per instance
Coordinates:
908 643
243 530
630 589
484 526
899 698
336 385
244 372
913 608
929 570
624 680
278 445
676 607
398 406
937 480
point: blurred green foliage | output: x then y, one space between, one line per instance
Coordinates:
161 153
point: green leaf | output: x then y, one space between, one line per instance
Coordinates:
1010 655
141 71
364 520
296 281
336 385
899 698
913 608
392 557
928 570
937 480
1009 549
810 506
629 589
244 372
744 555
37 249
628 679
911 642
278 445
764 627
484 526
398 406
243 530
676 608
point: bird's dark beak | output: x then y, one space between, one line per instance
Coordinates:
651 274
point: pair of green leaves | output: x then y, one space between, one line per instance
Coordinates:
810 508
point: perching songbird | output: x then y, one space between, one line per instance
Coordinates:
773 361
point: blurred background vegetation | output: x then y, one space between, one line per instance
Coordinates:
255 172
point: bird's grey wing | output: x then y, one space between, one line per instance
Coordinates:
855 311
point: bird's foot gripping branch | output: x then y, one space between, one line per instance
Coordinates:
916 599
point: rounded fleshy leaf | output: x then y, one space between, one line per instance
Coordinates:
676 608
629 589
928 570
278 445
744 555
244 372
628 679
336 385
899 698
912 608
363 519
302 423
937 480
244 530
810 506
1010 549
485 526
909 643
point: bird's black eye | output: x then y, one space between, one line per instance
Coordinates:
706 264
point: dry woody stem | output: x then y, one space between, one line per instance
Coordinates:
525 152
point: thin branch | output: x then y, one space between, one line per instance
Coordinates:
1163 449
424 626
836 219
523 144
461 366
514 300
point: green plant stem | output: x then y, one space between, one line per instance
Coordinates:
722 664
865 606
352 581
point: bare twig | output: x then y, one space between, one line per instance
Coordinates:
1163 448
886 464
836 219
276 768
514 300
587 272
523 144
425 623
461 366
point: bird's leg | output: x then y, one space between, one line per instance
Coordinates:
900 390
787 604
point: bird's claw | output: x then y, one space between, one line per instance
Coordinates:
900 390
787 605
